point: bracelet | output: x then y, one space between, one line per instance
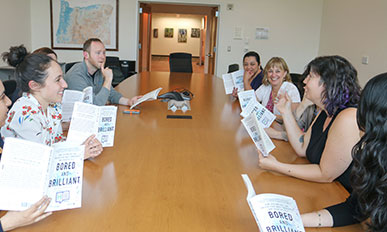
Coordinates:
319 219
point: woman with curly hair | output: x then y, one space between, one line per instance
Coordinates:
369 177
332 85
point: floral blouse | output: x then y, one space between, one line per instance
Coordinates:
27 120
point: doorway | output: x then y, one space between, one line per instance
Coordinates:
161 26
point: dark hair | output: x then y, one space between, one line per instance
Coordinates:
29 67
87 43
369 176
15 55
254 54
45 51
339 78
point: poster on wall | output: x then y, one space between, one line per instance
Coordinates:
75 21
168 32
195 32
155 33
182 36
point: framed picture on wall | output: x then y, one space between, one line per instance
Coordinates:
182 36
155 33
195 32
168 32
75 21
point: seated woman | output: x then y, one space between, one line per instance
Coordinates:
368 177
253 75
276 82
332 85
36 116
47 51
35 213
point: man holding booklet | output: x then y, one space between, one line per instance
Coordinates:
91 72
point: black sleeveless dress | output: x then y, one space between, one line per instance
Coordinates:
345 213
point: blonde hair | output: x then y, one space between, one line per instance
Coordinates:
279 63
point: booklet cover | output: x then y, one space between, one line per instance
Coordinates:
273 212
30 170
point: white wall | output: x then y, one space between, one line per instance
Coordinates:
294 30
15 25
353 29
165 46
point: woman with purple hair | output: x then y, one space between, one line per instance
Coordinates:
332 85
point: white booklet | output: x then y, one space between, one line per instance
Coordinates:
90 119
245 97
72 96
147 97
261 140
264 116
273 212
234 79
31 170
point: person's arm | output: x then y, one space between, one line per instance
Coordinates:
297 138
335 158
93 147
15 219
321 218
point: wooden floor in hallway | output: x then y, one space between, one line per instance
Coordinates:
161 64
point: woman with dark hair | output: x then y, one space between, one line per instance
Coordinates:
369 176
35 213
253 75
36 116
47 51
332 85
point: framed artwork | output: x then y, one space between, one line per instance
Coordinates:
195 32
155 33
168 32
182 36
75 21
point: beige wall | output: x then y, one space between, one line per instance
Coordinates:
165 46
294 30
15 25
353 29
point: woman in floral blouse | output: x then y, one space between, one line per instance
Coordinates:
36 116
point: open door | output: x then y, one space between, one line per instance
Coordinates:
212 51
144 37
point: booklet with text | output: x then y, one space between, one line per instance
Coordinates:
147 97
90 119
264 116
245 97
30 170
273 212
233 80
72 96
259 136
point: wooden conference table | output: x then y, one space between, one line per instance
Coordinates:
182 174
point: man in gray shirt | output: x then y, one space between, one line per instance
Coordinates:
91 72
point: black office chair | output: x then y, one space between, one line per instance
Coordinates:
113 62
180 62
69 65
297 80
13 92
233 68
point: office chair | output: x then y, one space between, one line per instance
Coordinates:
297 80
113 62
69 65
180 62
233 68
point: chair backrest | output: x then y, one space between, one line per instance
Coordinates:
233 68
69 65
180 62
297 80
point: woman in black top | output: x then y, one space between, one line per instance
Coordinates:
332 85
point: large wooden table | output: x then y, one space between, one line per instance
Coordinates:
182 174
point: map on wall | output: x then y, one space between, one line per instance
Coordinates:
75 21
